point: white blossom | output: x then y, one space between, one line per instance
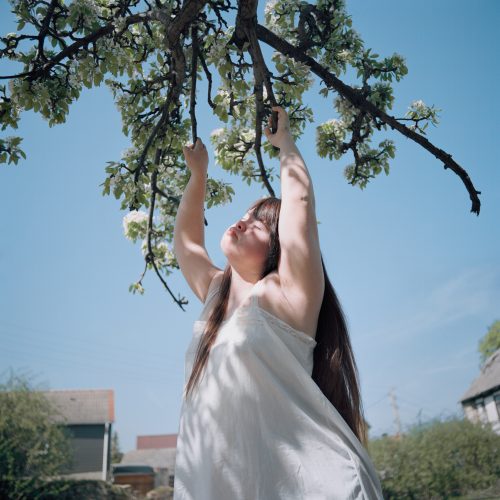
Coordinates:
88 9
217 132
344 107
163 254
344 55
132 222
337 127
270 6
418 105
120 24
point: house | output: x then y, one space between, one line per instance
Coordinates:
157 451
88 416
481 402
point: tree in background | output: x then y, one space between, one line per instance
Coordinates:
490 342
32 445
116 454
152 55
439 459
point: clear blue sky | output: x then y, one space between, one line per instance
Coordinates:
417 273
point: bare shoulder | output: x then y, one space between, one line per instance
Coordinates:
292 308
214 283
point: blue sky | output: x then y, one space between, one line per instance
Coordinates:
417 273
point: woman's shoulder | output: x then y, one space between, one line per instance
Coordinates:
214 285
295 312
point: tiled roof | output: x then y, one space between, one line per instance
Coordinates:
94 406
157 458
488 379
158 441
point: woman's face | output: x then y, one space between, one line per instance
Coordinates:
247 242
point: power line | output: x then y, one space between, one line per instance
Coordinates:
64 337
111 369
376 402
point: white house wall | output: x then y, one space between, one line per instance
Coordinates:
487 412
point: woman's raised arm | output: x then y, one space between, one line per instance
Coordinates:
189 229
300 268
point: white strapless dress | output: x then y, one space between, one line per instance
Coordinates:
257 427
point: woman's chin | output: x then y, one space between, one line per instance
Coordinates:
226 244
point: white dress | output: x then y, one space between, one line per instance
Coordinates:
257 427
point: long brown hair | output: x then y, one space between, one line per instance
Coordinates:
334 369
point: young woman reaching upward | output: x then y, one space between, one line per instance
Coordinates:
271 407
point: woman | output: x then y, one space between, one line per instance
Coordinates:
271 408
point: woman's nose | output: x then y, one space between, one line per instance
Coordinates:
241 225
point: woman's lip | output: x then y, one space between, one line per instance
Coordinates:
232 231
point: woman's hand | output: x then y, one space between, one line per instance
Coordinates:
283 134
196 157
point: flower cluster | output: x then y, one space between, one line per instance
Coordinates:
86 9
330 137
135 225
120 24
345 109
344 55
418 106
217 132
419 111
163 255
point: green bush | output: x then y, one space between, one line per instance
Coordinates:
439 459
63 489
32 444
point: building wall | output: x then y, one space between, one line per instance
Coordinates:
87 442
485 410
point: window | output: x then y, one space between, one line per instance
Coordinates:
497 403
481 411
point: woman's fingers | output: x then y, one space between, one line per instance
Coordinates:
192 147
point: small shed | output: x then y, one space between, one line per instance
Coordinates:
158 452
481 402
88 416
140 478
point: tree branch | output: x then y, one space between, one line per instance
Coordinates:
150 257
74 47
356 98
194 75
246 22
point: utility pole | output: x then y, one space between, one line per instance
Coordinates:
395 410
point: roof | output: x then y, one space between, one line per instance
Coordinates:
131 469
487 381
158 441
159 458
84 406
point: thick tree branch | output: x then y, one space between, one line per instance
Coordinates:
186 16
45 28
246 22
356 98
190 10
194 75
